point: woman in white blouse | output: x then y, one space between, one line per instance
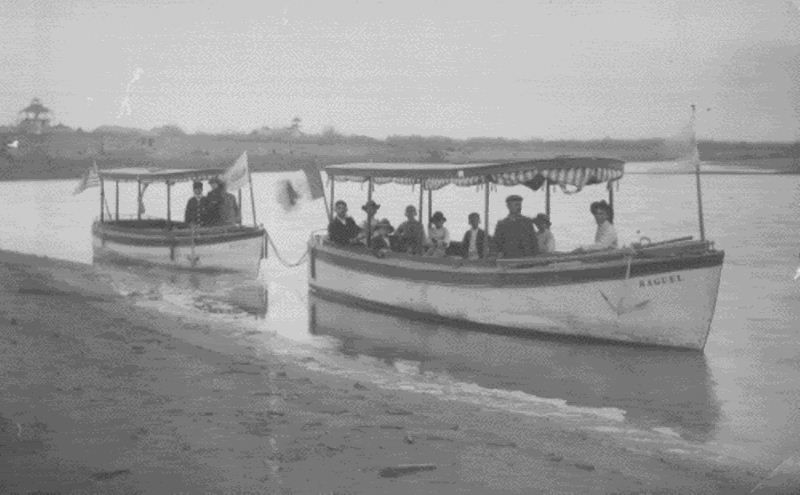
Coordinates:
606 235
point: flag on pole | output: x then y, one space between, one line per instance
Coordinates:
316 188
90 178
304 186
237 175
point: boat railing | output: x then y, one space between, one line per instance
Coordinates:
682 246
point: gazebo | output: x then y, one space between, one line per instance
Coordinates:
35 118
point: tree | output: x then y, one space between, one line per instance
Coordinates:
296 123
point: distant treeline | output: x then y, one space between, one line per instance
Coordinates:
64 152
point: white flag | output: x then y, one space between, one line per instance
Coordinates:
237 175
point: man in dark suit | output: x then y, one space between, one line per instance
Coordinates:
514 236
195 207
342 229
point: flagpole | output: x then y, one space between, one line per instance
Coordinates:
696 158
252 196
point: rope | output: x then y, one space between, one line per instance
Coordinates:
283 261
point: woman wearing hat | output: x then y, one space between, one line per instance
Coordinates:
606 235
380 238
438 237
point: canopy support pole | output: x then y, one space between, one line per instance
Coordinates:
430 206
611 196
369 214
139 200
102 200
116 203
486 207
421 194
547 197
333 204
169 205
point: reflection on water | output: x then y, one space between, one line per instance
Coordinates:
656 387
208 292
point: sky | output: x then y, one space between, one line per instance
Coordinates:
530 69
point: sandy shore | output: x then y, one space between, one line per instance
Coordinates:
100 395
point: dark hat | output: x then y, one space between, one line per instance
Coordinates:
384 224
197 185
369 204
541 219
513 197
438 216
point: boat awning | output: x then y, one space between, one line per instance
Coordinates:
146 175
564 171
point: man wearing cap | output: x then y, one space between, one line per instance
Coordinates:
195 207
514 236
410 233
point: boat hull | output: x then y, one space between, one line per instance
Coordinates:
655 301
239 249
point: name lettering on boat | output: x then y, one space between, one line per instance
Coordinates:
666 279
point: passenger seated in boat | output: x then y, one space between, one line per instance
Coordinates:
606 235
380 237
229 212
342 229
474 244
544 237
213 202
438 236
410 234
194 215
370 208
514 236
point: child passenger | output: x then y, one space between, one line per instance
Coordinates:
474 242
438 236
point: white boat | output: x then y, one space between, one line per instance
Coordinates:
164 241
660 293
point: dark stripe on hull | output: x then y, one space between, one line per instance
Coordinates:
510 277
542 334
175 238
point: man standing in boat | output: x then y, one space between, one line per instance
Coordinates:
221 206
514 236
194 215
229 211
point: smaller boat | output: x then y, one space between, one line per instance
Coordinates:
164 241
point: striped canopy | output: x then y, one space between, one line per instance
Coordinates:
564 171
